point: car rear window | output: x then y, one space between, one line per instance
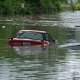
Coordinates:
29 35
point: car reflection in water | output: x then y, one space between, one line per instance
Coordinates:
30 50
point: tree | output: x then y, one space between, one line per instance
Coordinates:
34 5
13 7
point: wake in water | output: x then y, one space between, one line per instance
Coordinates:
71 46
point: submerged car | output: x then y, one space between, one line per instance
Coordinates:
30 37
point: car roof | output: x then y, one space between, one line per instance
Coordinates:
34 31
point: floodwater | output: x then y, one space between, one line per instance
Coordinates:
59 61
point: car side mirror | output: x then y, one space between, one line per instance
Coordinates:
11 38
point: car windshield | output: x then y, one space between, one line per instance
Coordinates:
29 35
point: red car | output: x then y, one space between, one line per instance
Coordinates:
30 37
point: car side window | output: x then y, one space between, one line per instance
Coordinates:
48 37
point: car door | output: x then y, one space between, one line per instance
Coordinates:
49 38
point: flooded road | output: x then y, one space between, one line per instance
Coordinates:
59 61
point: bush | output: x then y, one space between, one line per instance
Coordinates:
77 5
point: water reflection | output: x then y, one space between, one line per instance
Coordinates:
53 62
42 63
23 63
38 62
70 19
25 50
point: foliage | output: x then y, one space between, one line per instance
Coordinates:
14 7
77 5
10 7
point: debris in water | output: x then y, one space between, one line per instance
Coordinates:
3 26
